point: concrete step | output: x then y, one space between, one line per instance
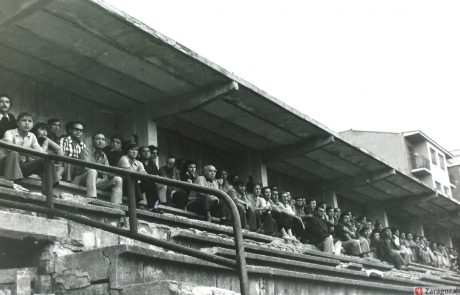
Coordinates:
296 265
121 267
299 252
168 287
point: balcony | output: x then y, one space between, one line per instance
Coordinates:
420 165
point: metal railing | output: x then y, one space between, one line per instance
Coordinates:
132 232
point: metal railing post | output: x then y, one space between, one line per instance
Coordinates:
47 184
133 224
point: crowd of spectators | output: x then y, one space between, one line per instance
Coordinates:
263 209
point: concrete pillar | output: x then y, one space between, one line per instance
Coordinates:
250 165
137 126
374 211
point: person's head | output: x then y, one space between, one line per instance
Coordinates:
375 235
299 202
275 195
40 130
288 195
153 151
54 125
330 211
320 212
131 150
144 153
116 142
365 232
337 212
266 193
210 172
417 239
223 175
283 198
240 187
257 189
190 167
25 122
322 204
77 130
170 163
395 231
344 217
98 140
386 233
402 236
312 204
5 104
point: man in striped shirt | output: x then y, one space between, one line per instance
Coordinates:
73 146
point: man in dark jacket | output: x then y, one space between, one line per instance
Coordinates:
317 231
7 120
387 251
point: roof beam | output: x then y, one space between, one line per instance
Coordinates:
191 100
436 218
18 10
410 200
357 181
297 149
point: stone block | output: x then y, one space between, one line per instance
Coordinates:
15 225
23 282
173 288
71 279
93 263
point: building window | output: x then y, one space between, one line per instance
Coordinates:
438 186
434 157
442 162
446 191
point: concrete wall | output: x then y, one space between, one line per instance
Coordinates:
439 174
387 146
454 171
285 182
47 102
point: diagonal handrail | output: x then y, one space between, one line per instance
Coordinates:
131 176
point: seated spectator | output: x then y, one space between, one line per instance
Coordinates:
405 246
375 240
364 240
243 204
224 181
99 180
149 187
348 237
206 204
423 254
129 161
283 220
169 171
337 213
7 120
397 245
297 226
317 233
310 208
269 225
114 150
14 165
40 130
330 215
73 146
256 201
187 174
299 208
410 243
53 127
387 251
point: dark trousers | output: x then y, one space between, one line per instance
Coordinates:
150 189
180 199
269 224
248 216
204 204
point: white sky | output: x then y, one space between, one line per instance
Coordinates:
363 65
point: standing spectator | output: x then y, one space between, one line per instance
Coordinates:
169 171
7 120
206 204
16 166
114 150
73 146
149 187
97 180
54 128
